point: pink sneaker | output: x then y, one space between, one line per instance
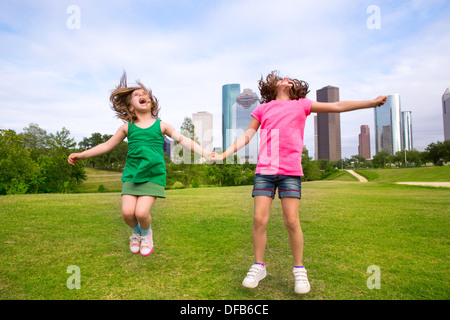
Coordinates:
135 243
147 244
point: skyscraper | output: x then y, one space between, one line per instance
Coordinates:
203 129
446 113
229 95
168 147
364 142
246 102
407 138
387 126
328 127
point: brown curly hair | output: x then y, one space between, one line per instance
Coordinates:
121 97
268 88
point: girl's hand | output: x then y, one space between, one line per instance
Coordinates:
217 157
379 101
207 156
74 158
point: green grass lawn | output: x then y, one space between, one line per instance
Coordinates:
421 174
110 180
203 245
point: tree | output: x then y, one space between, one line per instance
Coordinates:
113 160
398 158
358 161
438 152
55 174
311 169
380 159
186 158
35 139
215 173
17 168
182 155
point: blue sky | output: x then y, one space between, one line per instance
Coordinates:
186 50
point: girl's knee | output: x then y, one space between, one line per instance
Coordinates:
127 213
261 219
292 222
142 214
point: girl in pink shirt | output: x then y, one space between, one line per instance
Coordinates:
281 118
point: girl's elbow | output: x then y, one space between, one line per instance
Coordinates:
336 107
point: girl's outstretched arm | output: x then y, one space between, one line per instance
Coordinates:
242 141
102 148
187 143
343 106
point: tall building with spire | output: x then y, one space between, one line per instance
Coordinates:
246 102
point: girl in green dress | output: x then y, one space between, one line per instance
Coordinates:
144 176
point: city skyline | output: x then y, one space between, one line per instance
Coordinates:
63 59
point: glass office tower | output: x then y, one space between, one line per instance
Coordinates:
446 113
229 95
387 126
407 141
246 102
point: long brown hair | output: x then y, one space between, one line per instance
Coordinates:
121 97
268 88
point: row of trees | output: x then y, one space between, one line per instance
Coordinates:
36 162
436 153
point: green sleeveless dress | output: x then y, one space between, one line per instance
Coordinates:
145 169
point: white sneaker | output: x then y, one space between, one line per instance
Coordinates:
301 280
256 273
147 244
135 242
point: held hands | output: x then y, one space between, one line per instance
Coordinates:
213 156
218 157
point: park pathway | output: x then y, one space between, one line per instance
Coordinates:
360 177
428 184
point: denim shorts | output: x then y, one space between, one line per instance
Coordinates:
288 186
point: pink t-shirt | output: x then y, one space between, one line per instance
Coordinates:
281 136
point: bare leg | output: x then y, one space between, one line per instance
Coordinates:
142 211
261 218
137 208
292 223
128 210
